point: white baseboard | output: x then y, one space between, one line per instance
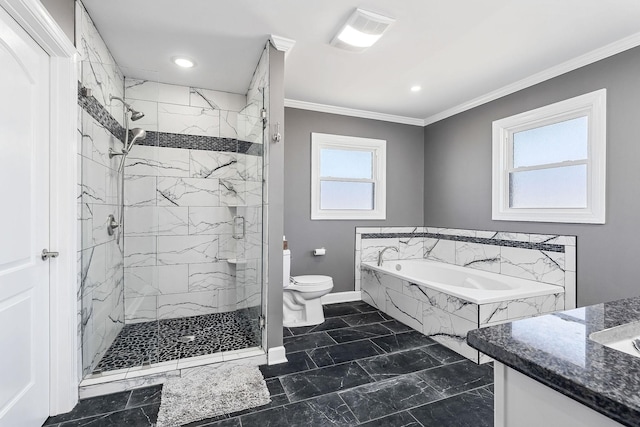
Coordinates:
341 297
276 355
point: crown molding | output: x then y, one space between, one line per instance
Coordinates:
570 65
343 111
36 20
282 44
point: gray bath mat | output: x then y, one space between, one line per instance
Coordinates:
209 391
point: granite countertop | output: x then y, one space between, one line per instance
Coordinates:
555 350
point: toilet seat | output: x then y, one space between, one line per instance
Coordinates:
310 283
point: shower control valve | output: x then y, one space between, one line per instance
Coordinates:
112 224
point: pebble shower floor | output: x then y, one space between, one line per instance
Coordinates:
160 341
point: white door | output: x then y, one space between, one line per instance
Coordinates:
24 228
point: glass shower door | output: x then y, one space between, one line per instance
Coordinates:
100 256
248 222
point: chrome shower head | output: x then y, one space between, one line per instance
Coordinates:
136 115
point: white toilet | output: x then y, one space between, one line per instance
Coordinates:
301 304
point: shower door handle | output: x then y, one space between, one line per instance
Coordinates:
239 222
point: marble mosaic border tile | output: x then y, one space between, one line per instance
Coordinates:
200 142
481 240
166 139
96 110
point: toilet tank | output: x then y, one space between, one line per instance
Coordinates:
286 267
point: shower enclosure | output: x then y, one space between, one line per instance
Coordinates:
171 219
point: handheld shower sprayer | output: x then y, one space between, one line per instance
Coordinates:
137 133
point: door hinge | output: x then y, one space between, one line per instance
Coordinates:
262 322
263 115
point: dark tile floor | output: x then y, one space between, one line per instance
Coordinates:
359 368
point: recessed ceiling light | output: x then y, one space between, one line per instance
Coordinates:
416 88
183 62
362 30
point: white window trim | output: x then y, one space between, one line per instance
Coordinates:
379 148
592 104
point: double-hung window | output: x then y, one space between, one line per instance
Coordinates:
348 177
549 163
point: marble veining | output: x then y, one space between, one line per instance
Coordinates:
188 192
439 250
481 257
555 350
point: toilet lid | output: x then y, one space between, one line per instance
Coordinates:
311 280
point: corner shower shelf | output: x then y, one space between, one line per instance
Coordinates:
236 261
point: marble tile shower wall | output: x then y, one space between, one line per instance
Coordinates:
98 69
185 205
100 290
512 254
232 187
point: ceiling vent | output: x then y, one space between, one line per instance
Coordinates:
362 30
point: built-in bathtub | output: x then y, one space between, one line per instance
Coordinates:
445 301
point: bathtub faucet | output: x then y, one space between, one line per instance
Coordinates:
382 253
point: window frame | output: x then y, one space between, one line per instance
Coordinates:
378 148
592 105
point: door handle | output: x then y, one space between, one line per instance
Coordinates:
46 254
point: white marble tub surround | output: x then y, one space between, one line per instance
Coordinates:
431 308
540 265
543 258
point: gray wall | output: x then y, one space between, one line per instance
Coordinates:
63 12
275 203
405 172
457 184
